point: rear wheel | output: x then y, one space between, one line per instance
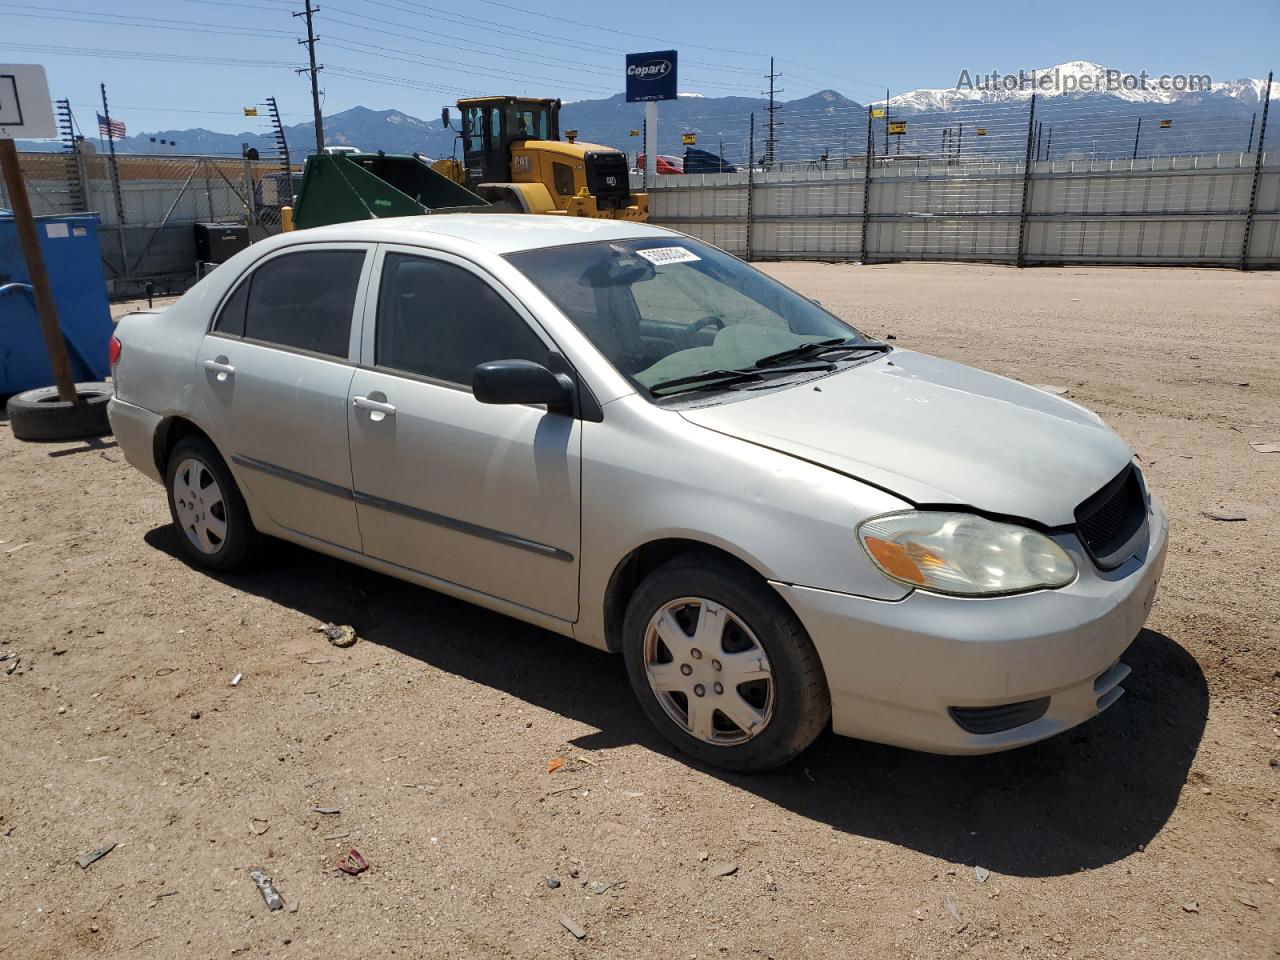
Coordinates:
215 531
721 665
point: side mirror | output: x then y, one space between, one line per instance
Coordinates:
444 117
521 381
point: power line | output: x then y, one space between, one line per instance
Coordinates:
391 81
466 48
434 41
149 23
385 55
596 26
142 55
450 16
627 33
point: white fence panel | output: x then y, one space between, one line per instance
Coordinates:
1184 210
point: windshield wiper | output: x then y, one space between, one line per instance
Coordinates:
708 379
817 347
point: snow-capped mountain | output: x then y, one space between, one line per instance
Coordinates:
1077 79
1247 90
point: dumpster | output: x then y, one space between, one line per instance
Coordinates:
338 188
74 261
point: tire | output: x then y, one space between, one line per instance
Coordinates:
214 528
39 414
744 618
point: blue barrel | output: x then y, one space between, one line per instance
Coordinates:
74 261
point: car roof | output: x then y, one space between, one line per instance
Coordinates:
500 233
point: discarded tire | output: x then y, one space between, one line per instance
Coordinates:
39 414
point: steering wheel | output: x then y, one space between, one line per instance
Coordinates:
697 326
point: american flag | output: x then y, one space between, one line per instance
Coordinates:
113 128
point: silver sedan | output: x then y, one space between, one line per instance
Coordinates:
631 438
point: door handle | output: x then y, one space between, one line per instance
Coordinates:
220 366
374 406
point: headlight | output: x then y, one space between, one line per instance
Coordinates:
964 554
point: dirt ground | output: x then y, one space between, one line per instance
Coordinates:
1152 831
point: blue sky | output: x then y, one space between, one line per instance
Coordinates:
173 64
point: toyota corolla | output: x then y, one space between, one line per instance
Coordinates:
634 439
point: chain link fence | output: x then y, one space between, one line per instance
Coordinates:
146 206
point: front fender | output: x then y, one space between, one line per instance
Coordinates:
650 475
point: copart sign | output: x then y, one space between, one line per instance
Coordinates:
651 76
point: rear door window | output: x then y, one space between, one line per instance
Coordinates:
304 301
231 317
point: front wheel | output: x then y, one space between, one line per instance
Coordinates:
721 665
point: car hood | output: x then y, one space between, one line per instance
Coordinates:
938 433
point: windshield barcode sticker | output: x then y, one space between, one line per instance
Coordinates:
659 256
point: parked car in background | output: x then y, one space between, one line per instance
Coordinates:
634 439
667 165
704 161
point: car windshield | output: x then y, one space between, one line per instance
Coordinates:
664 308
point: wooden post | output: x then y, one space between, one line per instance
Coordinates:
46 309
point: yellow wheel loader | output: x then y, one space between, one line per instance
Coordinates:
515 159
515 162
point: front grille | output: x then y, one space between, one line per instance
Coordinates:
1109 519
608 178
997 719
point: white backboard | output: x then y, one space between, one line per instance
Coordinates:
25 108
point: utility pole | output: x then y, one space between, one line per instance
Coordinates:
772 123
1136 137
314 71
1252 124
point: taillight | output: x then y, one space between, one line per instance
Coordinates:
113 352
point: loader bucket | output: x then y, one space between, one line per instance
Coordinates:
345 187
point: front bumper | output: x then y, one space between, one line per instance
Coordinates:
896 668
